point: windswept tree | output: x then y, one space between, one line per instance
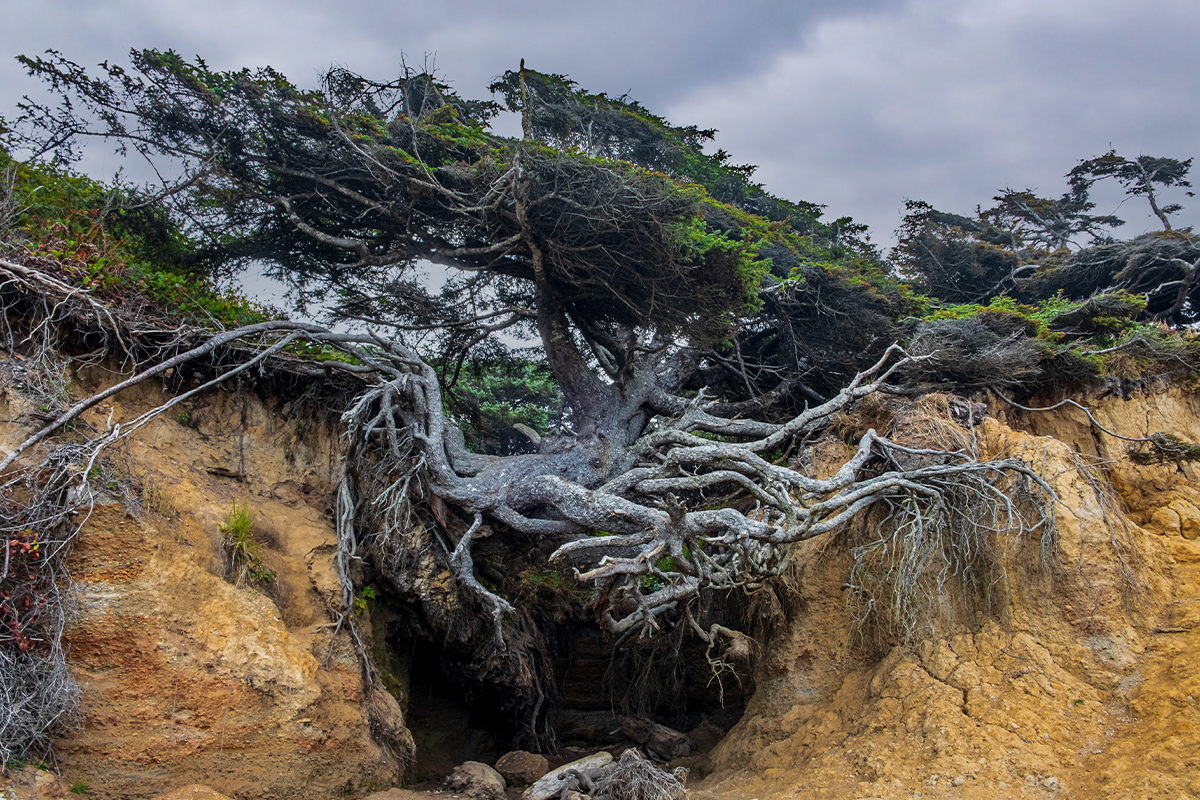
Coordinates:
1022 247
955 258
1048 224
1144 176
689 319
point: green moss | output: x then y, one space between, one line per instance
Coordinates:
1164 448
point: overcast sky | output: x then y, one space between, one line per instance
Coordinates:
857 104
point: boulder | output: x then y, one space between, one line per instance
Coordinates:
477 781
521 768
706 736
666 743
551 784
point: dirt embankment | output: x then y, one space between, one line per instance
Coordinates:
1088 685
188 674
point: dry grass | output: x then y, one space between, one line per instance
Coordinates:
159 500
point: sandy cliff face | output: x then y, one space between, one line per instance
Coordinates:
1086 685
1089 686
187 676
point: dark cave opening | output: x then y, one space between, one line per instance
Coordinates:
451 722
454 718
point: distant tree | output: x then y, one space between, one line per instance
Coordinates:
1139 176
1047 223
952 257
1159 267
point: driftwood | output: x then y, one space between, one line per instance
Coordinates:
598 777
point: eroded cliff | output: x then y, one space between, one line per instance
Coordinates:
1083 681
189 675
1085 686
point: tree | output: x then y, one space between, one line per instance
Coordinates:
952 257
1139 176
672 322
1046 223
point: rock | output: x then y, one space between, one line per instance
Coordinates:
398 794
664 742
196 791
1189 518
550 784
1164 521
706 736
477 781
31 783
521 768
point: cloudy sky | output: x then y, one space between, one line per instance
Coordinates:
857 104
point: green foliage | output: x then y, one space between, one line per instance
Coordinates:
360 602
613 215
690 259
550 578
1144 176
651 582
79 223
311 351
244 548
695 239
552 586
1163 448
951 257
79 787
490 397
193 297
1022 218
237 525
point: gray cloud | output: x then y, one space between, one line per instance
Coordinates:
658 50
948 102
853 104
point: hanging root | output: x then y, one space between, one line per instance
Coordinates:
42 509
959 534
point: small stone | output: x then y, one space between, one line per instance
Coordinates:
960 780
1051 783
521 768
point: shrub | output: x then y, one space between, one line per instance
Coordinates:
243 547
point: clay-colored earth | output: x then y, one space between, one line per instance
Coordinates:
188 675
1091 688
1087 686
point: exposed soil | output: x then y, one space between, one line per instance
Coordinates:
1088 685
